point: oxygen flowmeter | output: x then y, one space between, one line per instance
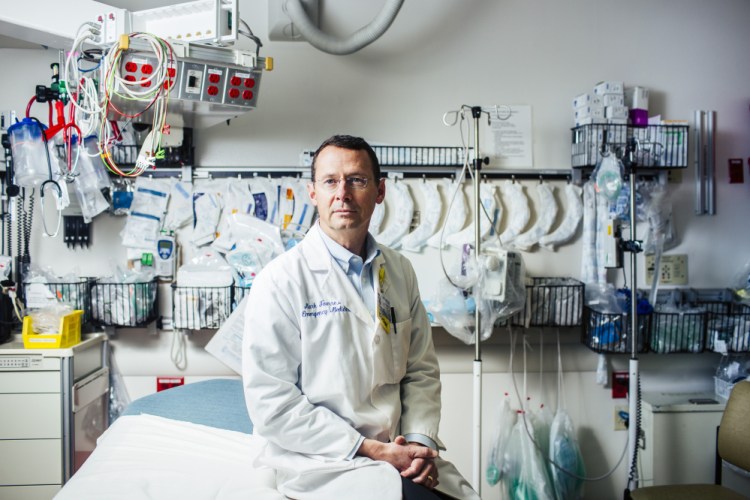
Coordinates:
164 257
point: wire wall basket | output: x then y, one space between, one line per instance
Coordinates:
200 307
239 293
552 302
658 146
729 331
611 333
39 294
421 155
123 304
678 322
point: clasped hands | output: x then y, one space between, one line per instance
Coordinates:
413 460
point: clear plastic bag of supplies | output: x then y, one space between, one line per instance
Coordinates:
47 319
126 298
498 459
453 310
732 368
677 327
568 469
454 302
202 297
43 288
527 476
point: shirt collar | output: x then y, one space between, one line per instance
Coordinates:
345 258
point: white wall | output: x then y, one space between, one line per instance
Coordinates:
437 56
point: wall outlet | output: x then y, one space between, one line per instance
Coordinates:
672 269
619 421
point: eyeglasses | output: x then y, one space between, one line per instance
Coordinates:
332 183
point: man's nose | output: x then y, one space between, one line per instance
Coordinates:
342 189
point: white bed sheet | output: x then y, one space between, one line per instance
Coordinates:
145 457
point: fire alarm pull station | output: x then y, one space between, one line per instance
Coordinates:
620 385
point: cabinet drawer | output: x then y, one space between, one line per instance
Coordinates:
38 492
30 416
35 461
18 382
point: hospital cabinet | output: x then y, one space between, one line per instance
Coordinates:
54 406
679 445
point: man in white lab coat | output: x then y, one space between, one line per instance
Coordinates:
340 373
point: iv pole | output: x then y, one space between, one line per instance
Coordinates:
476 113
634 390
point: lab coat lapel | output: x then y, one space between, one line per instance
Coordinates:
334 281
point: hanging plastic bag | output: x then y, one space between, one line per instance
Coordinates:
498 459
527 477
608 175
566 454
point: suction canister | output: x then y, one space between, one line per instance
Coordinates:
30 163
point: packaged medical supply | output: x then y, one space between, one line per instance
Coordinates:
587 100
569 225
608 87
616 112
613 100
207 206
518 210
636 97
430 218
180 207
547 212
146 211
400 213
486 222
589 112
638 117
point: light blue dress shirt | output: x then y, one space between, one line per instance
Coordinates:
359 273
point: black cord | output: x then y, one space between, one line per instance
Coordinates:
637 422
27 224
19 214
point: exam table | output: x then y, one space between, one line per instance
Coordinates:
188 442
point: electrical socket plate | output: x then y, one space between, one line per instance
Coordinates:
281 28
673 269
619 422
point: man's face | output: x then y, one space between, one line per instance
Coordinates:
344 209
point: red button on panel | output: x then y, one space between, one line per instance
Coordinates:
171 72
146 83
131 67
168 84
214 77
213 90
249 82
234 93
129 78
247 94
147 69
235 80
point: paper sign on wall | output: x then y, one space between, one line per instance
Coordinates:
511 133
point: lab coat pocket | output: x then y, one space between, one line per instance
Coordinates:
400 344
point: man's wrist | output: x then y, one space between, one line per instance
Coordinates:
370 448
421 439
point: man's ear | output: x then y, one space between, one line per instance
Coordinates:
311 193
381 191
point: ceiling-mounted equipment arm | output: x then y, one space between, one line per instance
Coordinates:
342 46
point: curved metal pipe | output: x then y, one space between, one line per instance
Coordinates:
342 46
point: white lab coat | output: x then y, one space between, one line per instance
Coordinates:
319 372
